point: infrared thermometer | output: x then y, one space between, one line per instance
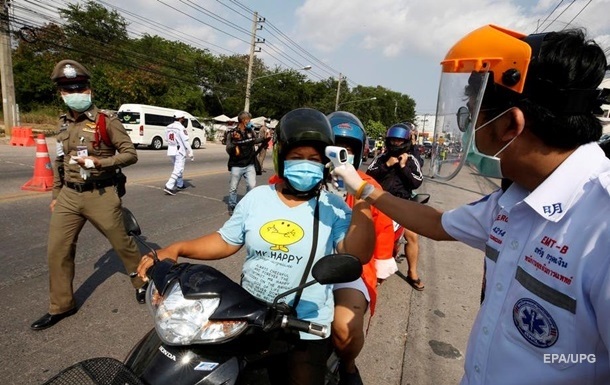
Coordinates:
338 156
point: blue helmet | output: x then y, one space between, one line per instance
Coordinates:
398 131
350 130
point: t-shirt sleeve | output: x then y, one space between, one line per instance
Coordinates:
470 223
343 217
233 231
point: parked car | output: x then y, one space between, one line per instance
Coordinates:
146 124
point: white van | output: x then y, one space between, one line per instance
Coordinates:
146 125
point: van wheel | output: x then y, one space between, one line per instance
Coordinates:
196 143
157 143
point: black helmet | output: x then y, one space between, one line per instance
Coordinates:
348 128
398 131
300 127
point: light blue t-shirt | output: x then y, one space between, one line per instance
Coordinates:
278 241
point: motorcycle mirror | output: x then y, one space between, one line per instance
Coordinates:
337 268
131 224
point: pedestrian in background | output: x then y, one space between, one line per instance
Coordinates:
240 147
90 148
264 133
178 148
528 116
399 173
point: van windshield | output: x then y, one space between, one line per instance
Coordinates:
128 117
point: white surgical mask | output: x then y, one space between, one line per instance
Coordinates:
79 102
350 158
487 165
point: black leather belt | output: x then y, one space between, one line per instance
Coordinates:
90 186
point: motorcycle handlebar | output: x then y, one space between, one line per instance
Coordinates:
305 326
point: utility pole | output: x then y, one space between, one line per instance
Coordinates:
423 129
253 42
338 92
6 70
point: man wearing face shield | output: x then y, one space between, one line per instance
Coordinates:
529 117
90 147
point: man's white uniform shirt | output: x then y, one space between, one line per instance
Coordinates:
546 314
177 139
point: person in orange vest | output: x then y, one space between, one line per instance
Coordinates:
352 299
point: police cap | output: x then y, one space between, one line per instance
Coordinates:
70 74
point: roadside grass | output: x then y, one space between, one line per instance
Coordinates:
43 119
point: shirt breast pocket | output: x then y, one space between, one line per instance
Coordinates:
540 319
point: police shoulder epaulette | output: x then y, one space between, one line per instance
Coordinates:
63 119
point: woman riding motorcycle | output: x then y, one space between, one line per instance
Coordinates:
285 228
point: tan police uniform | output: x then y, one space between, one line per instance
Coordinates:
93 199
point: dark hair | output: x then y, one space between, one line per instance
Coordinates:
567 65
243 116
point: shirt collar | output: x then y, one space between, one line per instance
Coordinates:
555 196
90 114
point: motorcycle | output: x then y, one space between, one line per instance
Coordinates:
208 329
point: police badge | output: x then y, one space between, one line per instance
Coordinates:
69 71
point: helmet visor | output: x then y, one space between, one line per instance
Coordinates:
459 101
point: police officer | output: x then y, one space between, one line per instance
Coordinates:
90 147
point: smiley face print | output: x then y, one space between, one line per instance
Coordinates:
281 233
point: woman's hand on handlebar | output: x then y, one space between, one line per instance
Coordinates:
148 260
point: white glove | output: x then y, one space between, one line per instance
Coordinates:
84 173
348 173
385 267
332 188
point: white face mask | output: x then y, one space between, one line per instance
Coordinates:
79 102
487 165
350 158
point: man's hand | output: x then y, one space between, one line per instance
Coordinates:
350 177
52 205
88 162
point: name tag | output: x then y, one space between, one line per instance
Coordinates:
82 151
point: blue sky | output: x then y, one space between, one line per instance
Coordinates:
397 44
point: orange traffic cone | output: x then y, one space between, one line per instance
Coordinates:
43 171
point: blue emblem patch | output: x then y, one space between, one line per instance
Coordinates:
535 323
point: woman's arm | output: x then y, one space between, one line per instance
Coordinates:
360 238
207 247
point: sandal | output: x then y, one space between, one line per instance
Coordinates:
415 283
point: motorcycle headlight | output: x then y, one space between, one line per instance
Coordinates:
183 321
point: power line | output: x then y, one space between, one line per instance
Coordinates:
549 15
583 8
558 16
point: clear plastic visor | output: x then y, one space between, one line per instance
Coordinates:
459 100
